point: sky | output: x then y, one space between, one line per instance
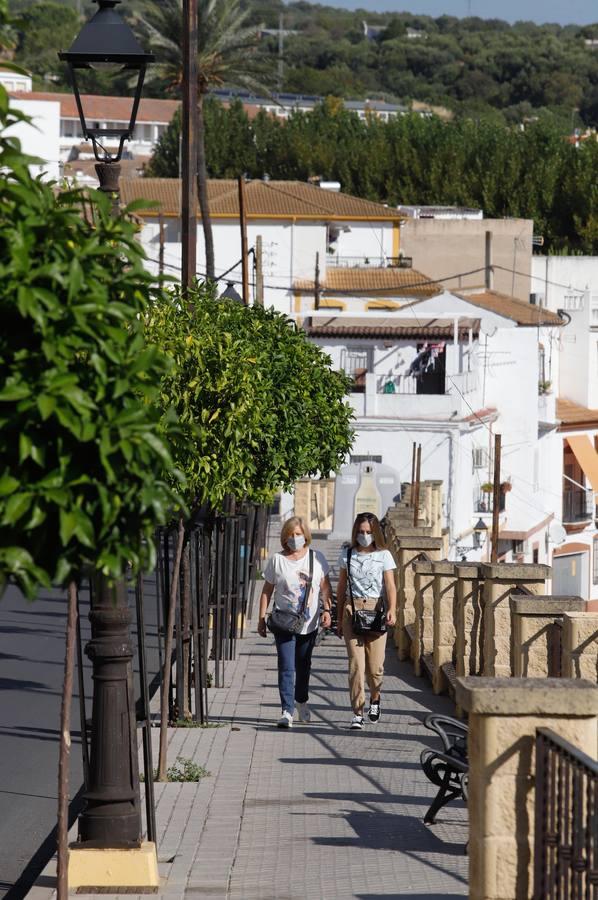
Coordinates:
578 12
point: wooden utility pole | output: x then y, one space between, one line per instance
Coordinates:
161 245
317 283
189 147
280 52
418 472
259 271
495 499
244 250
488 268
413 461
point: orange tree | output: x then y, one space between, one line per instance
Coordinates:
82 464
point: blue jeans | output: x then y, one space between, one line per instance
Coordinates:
294 667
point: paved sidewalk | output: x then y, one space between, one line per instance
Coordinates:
316 812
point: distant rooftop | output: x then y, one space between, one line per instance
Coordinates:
441 212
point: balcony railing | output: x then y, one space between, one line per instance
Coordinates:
577 505
369 262
461 383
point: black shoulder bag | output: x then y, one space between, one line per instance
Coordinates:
287 621
365 621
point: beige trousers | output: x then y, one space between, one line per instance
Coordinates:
366 657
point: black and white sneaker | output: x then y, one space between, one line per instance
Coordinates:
356 723
374 711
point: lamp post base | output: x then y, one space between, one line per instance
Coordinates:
110 868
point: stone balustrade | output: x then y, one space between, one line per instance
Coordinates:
500 581
445 583
580 645
423 628
537 632
503 717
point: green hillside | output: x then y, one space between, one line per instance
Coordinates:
472 66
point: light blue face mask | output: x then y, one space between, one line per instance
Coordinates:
364 540
296 542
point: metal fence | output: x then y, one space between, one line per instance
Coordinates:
566 827
215 597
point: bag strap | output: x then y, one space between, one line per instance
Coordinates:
349 552
309 587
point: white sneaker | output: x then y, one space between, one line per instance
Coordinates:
286 720
356 723
304 713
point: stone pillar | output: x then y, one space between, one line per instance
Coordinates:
410 550
445 580
423 642
580 645
503 717
468 619
537 631
436 520
426 502
500 581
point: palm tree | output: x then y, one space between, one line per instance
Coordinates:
229 54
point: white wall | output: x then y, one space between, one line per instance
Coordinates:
40 138
365 239
288 252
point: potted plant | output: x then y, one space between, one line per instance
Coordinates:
544 387
487 487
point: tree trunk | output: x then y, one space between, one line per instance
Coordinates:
184 701
174 584
65 744
202 191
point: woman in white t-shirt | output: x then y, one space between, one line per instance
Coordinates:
372 577
298 578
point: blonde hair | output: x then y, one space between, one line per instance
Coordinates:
377 532
289 527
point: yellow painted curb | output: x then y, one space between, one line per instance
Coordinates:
97 868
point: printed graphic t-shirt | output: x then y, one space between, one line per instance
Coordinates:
290 578
367 571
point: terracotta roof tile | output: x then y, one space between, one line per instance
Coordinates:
525 314
114 109
573 415
285 199
388 327
377 282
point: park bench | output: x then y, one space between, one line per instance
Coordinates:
447 768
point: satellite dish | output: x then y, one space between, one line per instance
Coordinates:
556 533
487 326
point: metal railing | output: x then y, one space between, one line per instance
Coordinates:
334 261
577 505
566 821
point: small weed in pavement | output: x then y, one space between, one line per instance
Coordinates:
182 770
190 723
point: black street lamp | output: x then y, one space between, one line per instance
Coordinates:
480 530
106 42
231 293
111 818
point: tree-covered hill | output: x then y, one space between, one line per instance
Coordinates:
476 67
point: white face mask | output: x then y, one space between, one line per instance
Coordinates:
364 540
296 542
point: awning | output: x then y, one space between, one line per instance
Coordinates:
586 457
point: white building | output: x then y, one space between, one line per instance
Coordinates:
448 372
300 225
570 283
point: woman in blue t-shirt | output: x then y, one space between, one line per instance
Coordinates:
372 578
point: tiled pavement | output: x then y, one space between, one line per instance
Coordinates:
316 812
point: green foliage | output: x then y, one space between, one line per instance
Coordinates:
506 171
258 404
81 471
186 770
43 29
